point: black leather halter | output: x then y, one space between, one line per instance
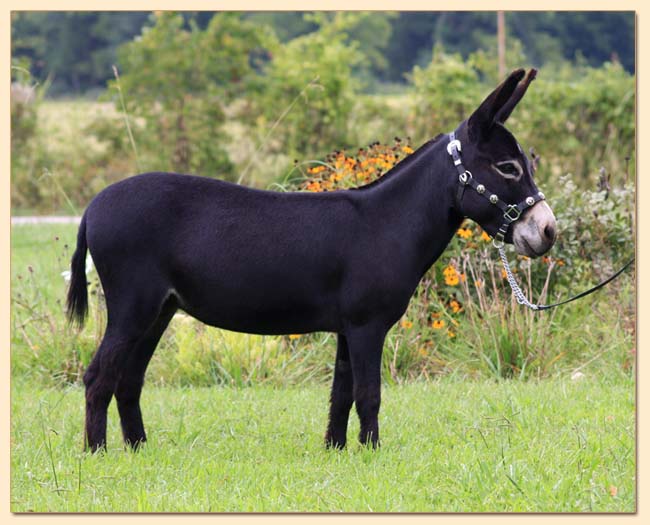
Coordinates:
511 212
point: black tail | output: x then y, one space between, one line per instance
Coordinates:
77 304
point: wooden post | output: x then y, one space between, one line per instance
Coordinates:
501 43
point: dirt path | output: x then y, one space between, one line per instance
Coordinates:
45 219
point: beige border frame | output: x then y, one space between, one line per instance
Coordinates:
640 7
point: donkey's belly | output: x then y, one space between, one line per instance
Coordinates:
275 317
260 304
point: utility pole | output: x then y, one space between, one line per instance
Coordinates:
501 43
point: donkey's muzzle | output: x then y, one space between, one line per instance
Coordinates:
536 231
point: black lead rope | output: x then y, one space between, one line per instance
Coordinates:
591 290
521 298
511 212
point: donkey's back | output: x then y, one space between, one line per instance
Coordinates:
198 242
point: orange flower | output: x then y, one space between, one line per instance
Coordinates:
464 233
452 280
449 270
292 337
438 324
451 275
485 237
451 334
455 306
407 149
406 324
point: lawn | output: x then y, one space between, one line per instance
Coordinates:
558 445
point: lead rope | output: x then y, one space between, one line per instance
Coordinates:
521 298
516 290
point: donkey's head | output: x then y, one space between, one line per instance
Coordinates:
503 175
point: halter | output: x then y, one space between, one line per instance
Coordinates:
511 212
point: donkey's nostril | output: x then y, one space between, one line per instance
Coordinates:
549 231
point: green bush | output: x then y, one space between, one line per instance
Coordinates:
27 148
179 81
446 91
578 120
309 88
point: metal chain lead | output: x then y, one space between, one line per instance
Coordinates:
519 295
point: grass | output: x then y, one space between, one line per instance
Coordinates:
447 446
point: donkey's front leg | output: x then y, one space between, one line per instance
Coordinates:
342 397
365 347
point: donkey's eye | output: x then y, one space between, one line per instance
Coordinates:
509 168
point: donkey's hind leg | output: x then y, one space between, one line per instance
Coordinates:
129 318
129 386
100 379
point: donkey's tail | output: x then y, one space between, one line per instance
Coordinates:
77 303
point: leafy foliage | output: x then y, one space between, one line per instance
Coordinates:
393 42
179 82
577 118
309 86
580 119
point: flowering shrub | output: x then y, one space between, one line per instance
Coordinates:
341 171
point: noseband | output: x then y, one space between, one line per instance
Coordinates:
511 212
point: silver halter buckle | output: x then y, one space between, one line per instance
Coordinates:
465 177
512 213
453 144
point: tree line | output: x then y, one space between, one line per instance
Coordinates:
77 49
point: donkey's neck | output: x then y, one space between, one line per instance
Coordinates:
416 201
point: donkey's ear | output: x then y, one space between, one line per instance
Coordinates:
520 91
482 120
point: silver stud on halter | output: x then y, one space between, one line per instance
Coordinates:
480 188
494 198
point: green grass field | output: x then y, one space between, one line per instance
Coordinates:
447 446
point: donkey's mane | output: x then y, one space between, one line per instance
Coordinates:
403 164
